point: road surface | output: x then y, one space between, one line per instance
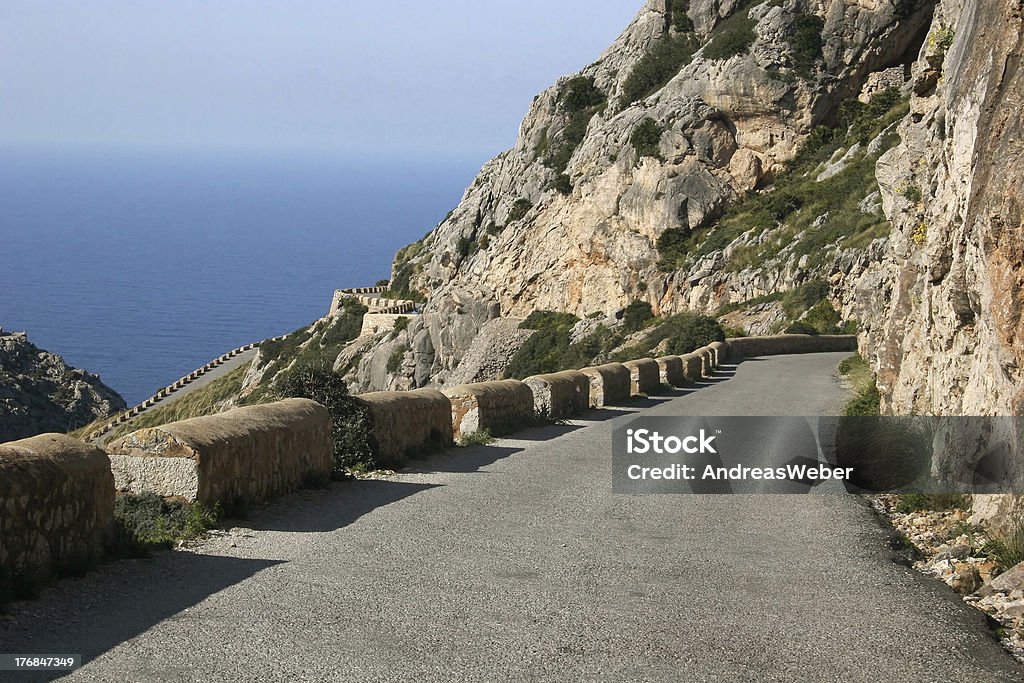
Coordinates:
515 562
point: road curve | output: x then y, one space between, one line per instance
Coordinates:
515 562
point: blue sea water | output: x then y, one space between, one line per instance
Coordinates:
142 265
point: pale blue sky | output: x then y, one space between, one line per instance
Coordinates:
388 78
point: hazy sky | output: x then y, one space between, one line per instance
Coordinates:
394 77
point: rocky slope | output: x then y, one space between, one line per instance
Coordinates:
695 105
947 337
40 393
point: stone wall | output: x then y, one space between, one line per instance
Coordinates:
645 375
498 407
57 496
407 422
692 367
379 322
721 351
671 371
560 394
609 384
248 454
790 343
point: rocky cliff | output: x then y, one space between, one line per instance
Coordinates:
623 171
40 393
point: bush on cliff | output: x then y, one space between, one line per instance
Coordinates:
733 36
657 67
550 348
685 332
351 422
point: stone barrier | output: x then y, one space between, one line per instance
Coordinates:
783 344
409 422
560 394
671 371
721 351
250 454
498 407
692 367
609 384
56 504
707 361
645 375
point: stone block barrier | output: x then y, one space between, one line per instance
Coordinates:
249 454
56 505
721 351
560 394
406 423
707 361
498 407
609 384
671 371
644 375
692 367
783 344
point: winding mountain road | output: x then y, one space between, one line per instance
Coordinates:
515 561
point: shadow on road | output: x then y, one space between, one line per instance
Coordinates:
132 596
332 509
463 460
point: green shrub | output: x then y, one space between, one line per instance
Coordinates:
866 402
519 209
681 21
581 93
481 437
807 42
147 522
685 332
550 350
823 318
920 502
800 327
351 421
646 138
636 316
911 192
579 99
796 301
672 248
562 183
401 325
1006 546
781 204
464 247
396 358
657 67
733 36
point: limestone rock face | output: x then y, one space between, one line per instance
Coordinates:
948 338
529 235
40 393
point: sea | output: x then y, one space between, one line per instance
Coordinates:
141 265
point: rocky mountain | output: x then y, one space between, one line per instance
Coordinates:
763 162
40 393
624 182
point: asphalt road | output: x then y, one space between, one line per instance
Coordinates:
515 562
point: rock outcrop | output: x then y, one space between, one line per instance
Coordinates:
40 393
693 106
